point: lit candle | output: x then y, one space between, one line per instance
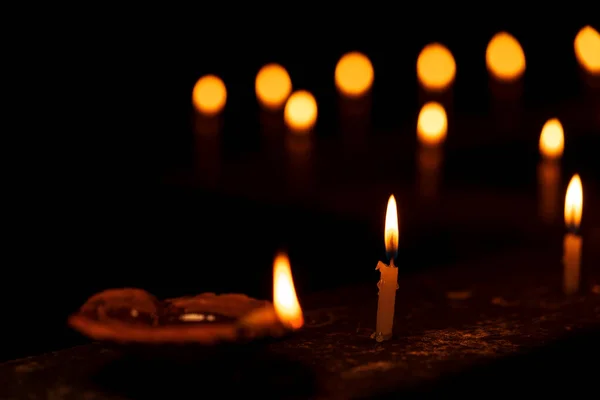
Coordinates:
432 127
587 49
572 241
285 301
551 148
388 284
436 67
209 95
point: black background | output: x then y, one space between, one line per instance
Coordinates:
96 201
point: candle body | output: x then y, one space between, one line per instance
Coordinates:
388 284
429 159
548 181
572 263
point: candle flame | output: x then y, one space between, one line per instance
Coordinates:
432 124
505 58
436 67
552 139
209 95
285 300
273 86
587 49
391 229
574 203
354 74
300 112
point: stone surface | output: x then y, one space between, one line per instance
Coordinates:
489 326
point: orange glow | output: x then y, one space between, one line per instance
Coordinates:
209 95
354 74
552 139
574 203
432 124
300 112
436 67
391 227
504 57
587 49
285 300
273 86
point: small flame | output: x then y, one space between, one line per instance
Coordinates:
391 229
552 139
432 124
587 49
285 300
574 203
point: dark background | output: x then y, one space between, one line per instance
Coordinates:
114 197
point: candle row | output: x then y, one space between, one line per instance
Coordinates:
354 74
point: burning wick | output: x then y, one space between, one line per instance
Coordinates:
388 284
572 241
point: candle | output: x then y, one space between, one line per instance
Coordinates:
207 154
388 284
436 67
572 242
432 126
209 95
285 301
587 49
273 86
551 148
354 76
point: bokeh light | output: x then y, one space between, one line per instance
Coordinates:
273 86
552 139
354 74
587 49
209 95
300 113
436 67
432 124
505 58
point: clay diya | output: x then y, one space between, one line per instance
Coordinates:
134 316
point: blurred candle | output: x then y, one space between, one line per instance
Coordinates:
209 95
388 284
572 242
207 153
505 58
587 50
432 126
300 113
273 86
551 149
354 74
436 67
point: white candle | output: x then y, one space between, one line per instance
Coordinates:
572 242
388 284
572 263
